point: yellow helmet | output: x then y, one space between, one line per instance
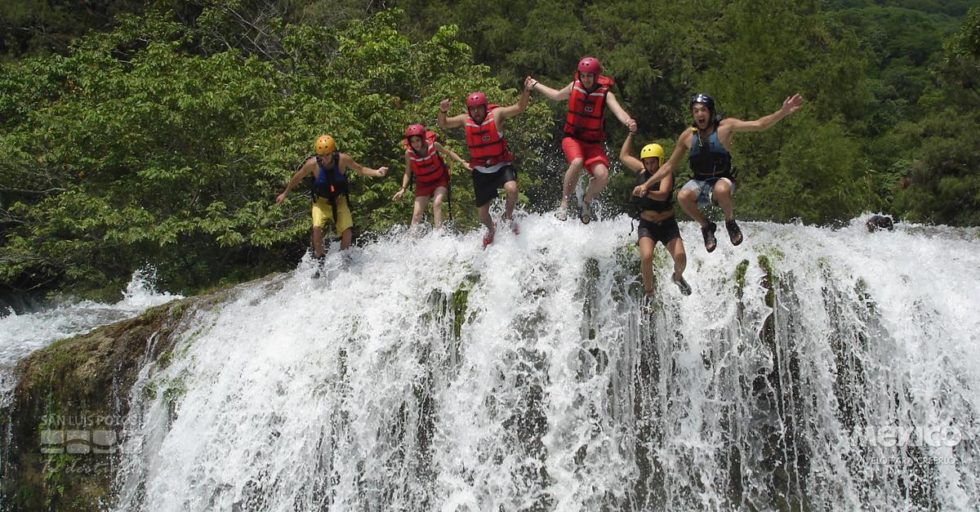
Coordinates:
652 150
324 145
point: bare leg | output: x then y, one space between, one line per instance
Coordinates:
571 178
346 237
597 183
318 250
437 200
647 246
484 213
510 189
419 209
689 203
722 193
676 249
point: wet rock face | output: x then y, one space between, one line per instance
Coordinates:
61 433
63 424
880 222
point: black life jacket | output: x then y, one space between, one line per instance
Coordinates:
641 204
709 159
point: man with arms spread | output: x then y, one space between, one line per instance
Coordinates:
709 144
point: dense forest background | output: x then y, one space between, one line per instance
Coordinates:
158 133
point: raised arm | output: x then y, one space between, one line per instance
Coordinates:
444 122
620 114
790 105
347 162
303 171
452 154
508 112
631 162
548 92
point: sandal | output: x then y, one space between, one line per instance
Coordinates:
514 228
682 284
586 215
488 238
709 236
734 234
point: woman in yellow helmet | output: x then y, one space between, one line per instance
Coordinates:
329 170
657 222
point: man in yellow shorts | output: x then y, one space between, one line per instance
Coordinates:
329 170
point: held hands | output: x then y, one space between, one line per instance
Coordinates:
792 104
631 125
640 190
529 83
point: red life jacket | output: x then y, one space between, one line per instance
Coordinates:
585 120
487 146
427 167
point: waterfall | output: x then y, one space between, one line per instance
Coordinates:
23 333
810 369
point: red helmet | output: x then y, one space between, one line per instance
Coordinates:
589 65
475 99
414 130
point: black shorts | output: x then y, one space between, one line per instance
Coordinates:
663 231
485 185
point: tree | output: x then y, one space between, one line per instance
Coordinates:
945 185
141 147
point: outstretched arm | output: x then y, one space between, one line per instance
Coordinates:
452 154
548 92
631 162
620 114
790 105
303 171
347 162
445 122
407 176
515 109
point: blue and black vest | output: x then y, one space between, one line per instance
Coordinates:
709 160
329 182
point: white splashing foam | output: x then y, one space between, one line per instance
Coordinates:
24 333
355 392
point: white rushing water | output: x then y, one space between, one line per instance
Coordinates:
428 374
24 333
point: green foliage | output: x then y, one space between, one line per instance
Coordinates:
945 185
165 139
818 178
134 149
50 26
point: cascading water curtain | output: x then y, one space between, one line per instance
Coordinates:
810 369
